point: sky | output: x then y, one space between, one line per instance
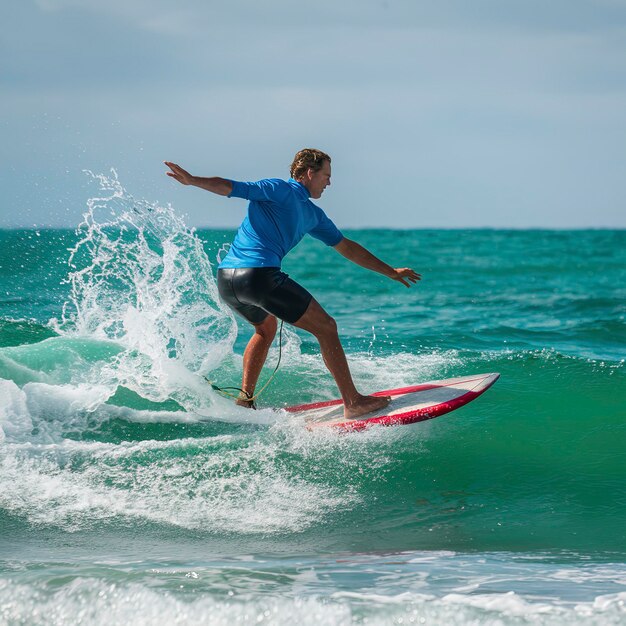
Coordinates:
437 113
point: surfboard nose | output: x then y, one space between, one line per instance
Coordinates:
488 380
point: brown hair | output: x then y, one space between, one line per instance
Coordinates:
306 159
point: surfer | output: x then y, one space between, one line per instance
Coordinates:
251 282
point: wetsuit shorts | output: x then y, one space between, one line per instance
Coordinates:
255 292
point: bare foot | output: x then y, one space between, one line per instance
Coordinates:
365 404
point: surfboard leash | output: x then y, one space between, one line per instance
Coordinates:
244 395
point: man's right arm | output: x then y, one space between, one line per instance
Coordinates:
217 185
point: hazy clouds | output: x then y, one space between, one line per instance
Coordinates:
436 113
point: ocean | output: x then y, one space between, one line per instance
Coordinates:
132 493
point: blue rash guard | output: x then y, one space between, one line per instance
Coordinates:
279 215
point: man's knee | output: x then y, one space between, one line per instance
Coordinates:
326 325
316 321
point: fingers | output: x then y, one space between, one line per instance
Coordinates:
407 276
177 173
177 169
413 277
172 166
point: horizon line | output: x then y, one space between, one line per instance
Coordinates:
394 228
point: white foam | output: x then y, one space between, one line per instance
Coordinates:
15 422
95 601
605 609
140 277
610 602
239 483
40 412
508 603
217 485
590 574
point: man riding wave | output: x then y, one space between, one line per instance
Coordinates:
250 280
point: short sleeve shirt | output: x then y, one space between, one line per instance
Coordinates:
279 215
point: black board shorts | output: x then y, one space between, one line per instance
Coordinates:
255 292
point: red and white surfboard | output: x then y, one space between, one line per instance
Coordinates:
408 404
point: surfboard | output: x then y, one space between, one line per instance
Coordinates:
408 404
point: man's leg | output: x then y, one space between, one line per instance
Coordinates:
255 355
316 321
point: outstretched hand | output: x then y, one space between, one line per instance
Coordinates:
406 276
178 173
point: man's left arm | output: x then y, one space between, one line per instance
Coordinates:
358 254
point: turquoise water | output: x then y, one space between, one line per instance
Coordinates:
132 493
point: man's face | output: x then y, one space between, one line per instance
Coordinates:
316 182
